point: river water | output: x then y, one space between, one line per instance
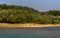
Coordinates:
50 32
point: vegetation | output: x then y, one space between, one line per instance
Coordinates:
20 14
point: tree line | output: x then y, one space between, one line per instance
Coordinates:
21 14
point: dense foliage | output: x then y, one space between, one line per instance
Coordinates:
20 14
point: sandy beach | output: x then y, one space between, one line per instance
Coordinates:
6 25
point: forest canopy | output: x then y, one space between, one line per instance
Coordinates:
23 14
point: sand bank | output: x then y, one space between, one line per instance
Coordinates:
6 25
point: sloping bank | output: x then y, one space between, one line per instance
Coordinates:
5 25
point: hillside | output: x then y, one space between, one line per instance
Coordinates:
22 14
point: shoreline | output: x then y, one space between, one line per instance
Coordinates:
6 25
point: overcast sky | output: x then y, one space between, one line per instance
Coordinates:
41 5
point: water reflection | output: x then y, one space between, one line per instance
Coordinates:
50 32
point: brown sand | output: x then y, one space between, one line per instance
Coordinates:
5 25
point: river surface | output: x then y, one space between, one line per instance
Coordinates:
50 32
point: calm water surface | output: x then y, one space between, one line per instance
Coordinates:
51 32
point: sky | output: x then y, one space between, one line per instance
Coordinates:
41 5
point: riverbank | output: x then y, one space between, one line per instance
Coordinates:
6 25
